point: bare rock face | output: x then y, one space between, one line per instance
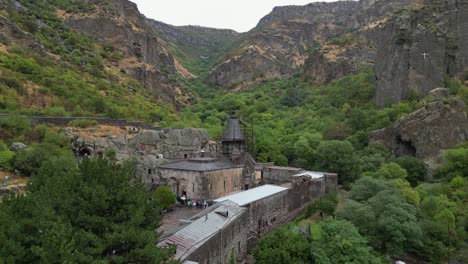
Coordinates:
280 42
411 45
330 40
417 49
120 25
426 133
439 93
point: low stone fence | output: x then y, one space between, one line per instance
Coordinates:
63 121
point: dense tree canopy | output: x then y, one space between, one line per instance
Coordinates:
89 213
340 242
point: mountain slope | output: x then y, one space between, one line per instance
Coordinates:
282 40
47 68
197 48
326 41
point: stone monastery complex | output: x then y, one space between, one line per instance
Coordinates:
248 199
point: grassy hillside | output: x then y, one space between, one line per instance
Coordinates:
61 72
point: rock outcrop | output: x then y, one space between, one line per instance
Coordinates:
280 42
330 40
411 45
417 48
148 148
426 133
120 25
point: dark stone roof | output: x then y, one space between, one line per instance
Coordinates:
200 164
232 130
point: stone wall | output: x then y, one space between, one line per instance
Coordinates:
148 148
229 240
207 185
262 217
278 175
268 214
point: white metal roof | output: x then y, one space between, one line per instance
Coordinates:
311 174
252 195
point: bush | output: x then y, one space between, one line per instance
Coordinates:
14 83
164 197
6 160
30 161
416 169
83 123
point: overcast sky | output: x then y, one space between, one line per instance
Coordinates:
240 15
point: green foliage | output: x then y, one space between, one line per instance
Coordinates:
111 154
387 220
91 213
367 187
83 123
323 207
6 158
72 85
340 242
339 157
285 245
410 195
391 171
11 127
456 164
416 169
164 197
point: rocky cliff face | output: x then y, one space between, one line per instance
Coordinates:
119 24
417 48
412 45
278 46
426 133
329 39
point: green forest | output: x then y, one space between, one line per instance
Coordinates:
95 211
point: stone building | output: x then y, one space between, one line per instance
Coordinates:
277 174
202 178
234 224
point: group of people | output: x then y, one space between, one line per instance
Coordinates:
184 201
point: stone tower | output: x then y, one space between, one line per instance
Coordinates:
233 141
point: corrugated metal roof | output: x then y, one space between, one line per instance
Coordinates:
311 174
197 233
252 195
200 165
232 130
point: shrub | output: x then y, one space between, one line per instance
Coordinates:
164 197
6 159
14 83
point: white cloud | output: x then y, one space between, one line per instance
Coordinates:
240 15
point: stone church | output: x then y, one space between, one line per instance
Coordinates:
208 178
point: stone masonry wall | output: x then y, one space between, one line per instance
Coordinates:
229 240
207 185
276 175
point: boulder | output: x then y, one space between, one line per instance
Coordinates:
427 132
17 146
439 93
